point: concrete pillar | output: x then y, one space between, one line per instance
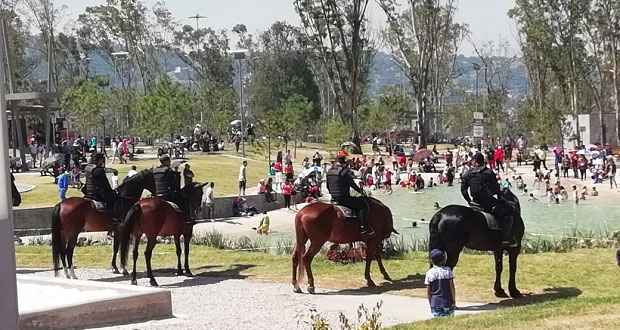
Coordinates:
9 315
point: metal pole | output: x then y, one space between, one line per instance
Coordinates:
242 112
8 285
48 105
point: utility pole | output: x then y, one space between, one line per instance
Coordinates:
197 17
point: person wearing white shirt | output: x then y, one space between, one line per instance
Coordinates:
242 178
132 172
114 147
208 200
115 180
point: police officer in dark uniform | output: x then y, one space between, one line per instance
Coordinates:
97 186
339 180
482 184
168 182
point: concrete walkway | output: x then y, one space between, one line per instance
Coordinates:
206 302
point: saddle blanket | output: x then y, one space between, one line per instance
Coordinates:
348 213
99 206
175 207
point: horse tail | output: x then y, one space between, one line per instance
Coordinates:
57 246
434 236
300 246
127 229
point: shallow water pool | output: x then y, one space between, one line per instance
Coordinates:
540 217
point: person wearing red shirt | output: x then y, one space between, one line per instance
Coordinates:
288 171
499 158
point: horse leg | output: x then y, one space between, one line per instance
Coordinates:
63 259
307 260
70 247
513 254
381 268
148 253
453 253
187 238
177 245
371 253
136 243
116 244
499 267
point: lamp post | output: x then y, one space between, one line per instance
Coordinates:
116 56
239 55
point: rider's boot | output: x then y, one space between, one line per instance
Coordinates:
365 229
507 240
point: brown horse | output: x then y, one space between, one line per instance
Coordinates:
75 214
321 222
155 217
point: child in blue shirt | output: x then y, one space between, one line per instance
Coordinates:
439 283
63 184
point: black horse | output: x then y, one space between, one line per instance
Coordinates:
455 227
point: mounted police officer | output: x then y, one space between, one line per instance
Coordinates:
168 182
339 181
482 184
97 186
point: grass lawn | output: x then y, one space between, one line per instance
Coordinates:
566 291
219 169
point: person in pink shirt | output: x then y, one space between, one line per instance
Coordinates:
287 191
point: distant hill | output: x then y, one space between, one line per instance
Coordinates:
384 72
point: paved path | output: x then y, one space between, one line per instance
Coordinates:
205 302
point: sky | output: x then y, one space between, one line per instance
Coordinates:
487 19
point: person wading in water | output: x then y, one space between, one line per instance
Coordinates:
339 181
486 195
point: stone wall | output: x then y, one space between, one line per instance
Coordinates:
28 221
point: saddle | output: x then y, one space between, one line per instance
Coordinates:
347 212
492 221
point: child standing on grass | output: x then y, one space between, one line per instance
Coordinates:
439 283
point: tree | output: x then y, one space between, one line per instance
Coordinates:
338 32
84 100
382 116
281 70
296 113
336 133
424 40
164 111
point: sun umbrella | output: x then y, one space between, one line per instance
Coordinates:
235 122
177 162
309 171
592 147
421 155
54 159
595 153
583 152
557 148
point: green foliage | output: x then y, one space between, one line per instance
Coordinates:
335 133
84 100
382 116
366 320
282 70
166 110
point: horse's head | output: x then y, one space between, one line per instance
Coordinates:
135 185
193 193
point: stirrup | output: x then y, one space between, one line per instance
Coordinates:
367 231
510 244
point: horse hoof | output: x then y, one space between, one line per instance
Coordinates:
388 278
115 271
371 284
501 294
516 294
179 273
297 290
125 272
134 282
310 290
153 282
188 273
